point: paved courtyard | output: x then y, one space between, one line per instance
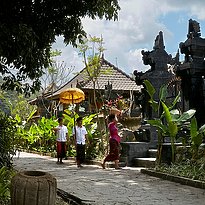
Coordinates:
112 187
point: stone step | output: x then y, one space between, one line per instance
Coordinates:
144 162
152 153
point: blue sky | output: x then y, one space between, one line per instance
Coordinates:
138 25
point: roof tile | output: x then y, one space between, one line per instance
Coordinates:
119 80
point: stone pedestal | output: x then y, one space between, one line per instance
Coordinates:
131 150
153 135
153 138
166 154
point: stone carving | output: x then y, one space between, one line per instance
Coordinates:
158 74
194 29
158 57
192 71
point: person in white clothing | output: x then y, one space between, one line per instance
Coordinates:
61 132
80 136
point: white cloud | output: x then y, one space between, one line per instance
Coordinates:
137 27
135 58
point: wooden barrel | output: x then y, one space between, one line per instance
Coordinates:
33 188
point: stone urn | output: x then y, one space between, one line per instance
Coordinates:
33 188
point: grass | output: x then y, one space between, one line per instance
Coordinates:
189 169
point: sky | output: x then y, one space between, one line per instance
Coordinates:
138 24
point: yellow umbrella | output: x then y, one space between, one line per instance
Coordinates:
72 96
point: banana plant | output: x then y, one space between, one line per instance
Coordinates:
44 133
170 120
196 136
173 122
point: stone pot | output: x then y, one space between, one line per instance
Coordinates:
33 188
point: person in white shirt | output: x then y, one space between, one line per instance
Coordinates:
61 132
80 136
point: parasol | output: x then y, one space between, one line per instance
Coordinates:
72 96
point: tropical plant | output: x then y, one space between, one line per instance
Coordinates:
170 120
196 137
16 112
35 135
23 124
44 134
5 184
7 139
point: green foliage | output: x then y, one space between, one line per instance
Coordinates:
7 139
37 136
170 120
151 91
44 136
30 29
90 124
196 137
92 149
5 184
12 105
188 169
20 106
69 119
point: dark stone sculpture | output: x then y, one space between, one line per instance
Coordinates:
158 74
158 57
192 71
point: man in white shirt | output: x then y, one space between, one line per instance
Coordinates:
80 136
62 136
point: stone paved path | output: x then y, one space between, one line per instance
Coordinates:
112 187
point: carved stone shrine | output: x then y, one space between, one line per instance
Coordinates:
192 71
159 74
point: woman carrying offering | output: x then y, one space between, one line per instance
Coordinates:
114 142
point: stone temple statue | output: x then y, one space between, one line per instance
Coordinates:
192 71
158 57
158 74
